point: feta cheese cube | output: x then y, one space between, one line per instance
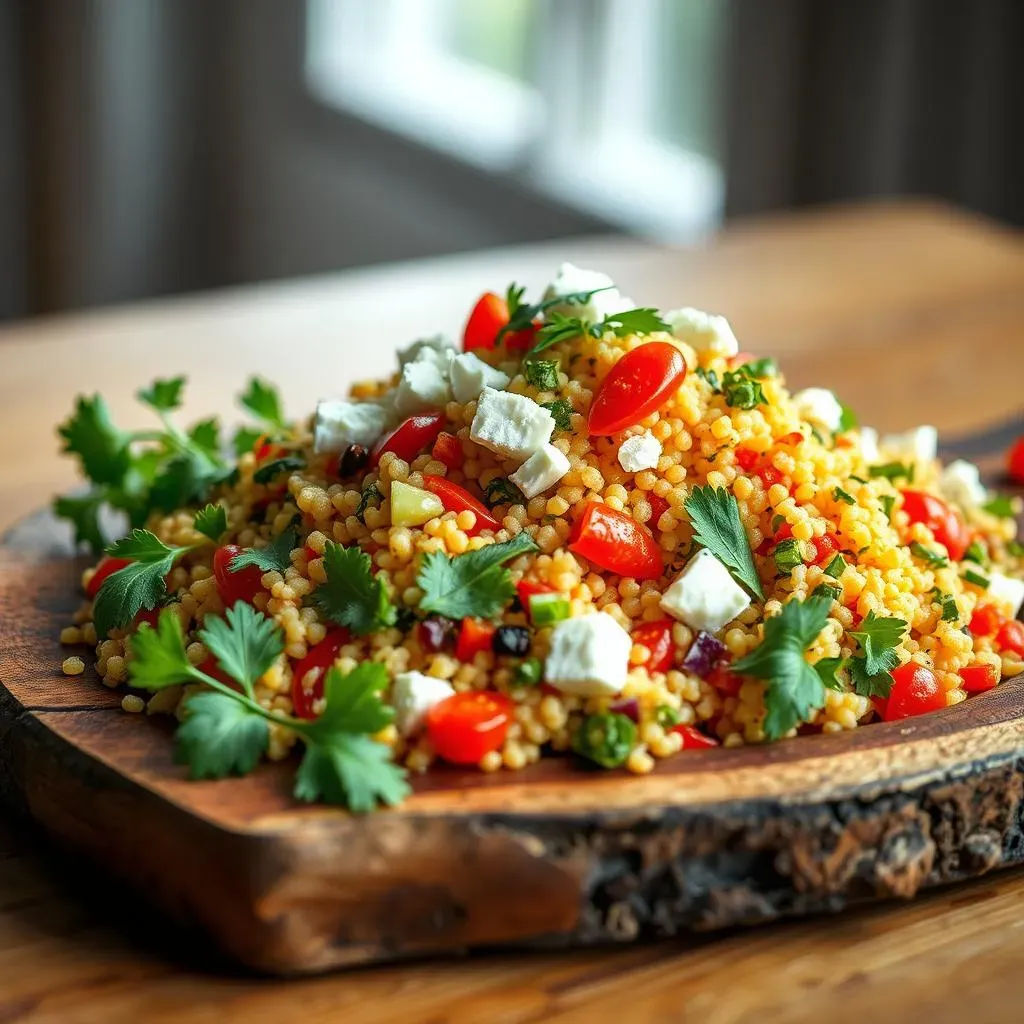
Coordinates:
339 424
543 469
960 482
510 424
469 375
706 333
437 349
424 385
589 656
641 451
704 595
869 445
413 694
571 279
1007 592
918 445
819 407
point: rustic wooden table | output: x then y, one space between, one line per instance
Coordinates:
913 313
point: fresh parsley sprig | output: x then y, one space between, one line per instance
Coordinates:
352 595
226 731
521 315
276 556
715 515
878 637
560 327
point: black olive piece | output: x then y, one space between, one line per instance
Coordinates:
514 640
356 457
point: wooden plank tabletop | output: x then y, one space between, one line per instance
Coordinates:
911 312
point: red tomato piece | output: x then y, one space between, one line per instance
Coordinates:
794 437
986 620
212 668
657 638
825 548
978 678
769 475
522 341
693 738
475 635
458 499
149 616
616 542
319 659
486 318
235 586
410 437
723 679
108 565
264 448
448 449
915 691
1015 461
944 522
1011 637
746 459
640 383
525 589
464 727
659 506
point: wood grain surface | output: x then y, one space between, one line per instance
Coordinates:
853 296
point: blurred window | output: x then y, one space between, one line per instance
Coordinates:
608 105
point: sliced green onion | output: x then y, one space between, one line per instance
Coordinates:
840 495
892 470
928 555
836 567
788 555
976 578
529 672
666 716
829 590
548 608
888 504
976 553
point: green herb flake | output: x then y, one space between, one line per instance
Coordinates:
976 553
892 471
840 495
929 555
500 491
1000 505
878 638
711 377
976 578
836 567
950 611
788 556
561 411
761 368
888 504
262 400
742 391
542 373
666 716
529 672
211 522
829 590
828 670
275 557
287 464
370 493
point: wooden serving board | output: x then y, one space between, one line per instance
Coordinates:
555 855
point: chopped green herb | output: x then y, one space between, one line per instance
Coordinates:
529 672
561 410
275 557
542 373
522 314
878 638
245 440
934 558
666 716
560 327
828 670
711 377
742 391
829 590
888 503
859 479
546 609
352 595
1001 505
715 515
950 611
761 368
973 577
1015 549
976 553
274 469
503 492
836 567
788 556
892 471
370 493
840 495
606 739
211 521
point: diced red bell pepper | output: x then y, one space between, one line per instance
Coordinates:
448 450
769 475
319 658
1011 637
657 638
458 499
1015 461
616 542
409 438
826 548
746 459
147 616
475 635
108 565
694 739
979 678
986 620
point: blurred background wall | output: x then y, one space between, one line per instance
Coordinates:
154 146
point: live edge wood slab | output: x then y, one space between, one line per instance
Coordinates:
553 856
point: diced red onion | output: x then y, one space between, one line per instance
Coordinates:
435 632
630 707
705 652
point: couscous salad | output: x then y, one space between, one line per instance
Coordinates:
590 529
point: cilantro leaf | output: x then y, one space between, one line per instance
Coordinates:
760 368
162 395
205 435
793 687
158 655
287 464
220 736
558 328
1000 505
352 596
878 637
828 672
263 401
245 643
276 556
561 412
352 701
140 546
473 583
101 448
716 526
352 770
84 514
873 684
245 440
211 521
184 479
644 320
522 314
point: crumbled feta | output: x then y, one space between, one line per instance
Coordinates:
510 424
869 445
960 482
571 279
706 333
819 407
704 595
424 385
918 445
589 656
413 694
437 349
641 451
1007 591
339 424
469 375
543 469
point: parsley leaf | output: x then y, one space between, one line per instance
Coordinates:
219 736
840 495
263 401
561 412
760 368
205 435
245 440
101 448
501 491
273 469
140 546
162 395
158 655
211 521
878 638
542 373
828 590
742 390
644 320
245 643
275 556
558 328
352 596
473 583
716 526
828 672
793 687
522 314
84 514
1001 505
892 471
929 555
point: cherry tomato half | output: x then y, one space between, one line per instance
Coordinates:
640 383
694 739
616 542
915 691
1011 637
458 499
243 585
108 565
945 523
318 658
410 437
1015 461
486 318
657 638
464 727
978 678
